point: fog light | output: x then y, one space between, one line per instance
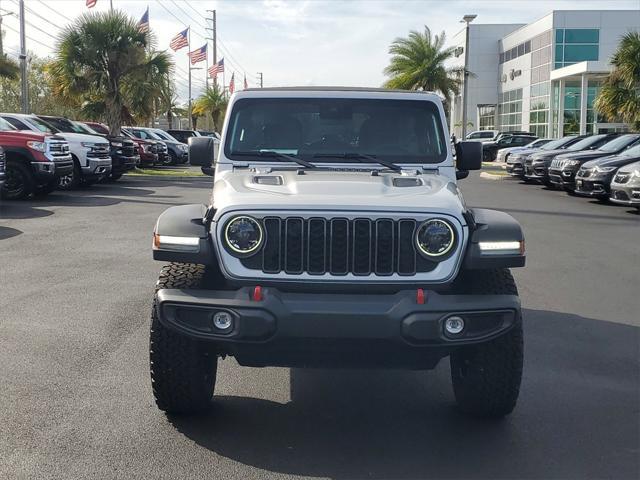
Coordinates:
223 320
454 325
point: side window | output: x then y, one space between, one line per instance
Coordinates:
16 123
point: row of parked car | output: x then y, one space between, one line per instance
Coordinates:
40 153
603 166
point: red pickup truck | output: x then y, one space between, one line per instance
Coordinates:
34 162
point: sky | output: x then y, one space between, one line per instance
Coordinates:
302 42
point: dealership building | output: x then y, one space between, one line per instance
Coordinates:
541 77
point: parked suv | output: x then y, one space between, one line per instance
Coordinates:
504 153
625 186
178 151
124 156
146 150
337 236
34 161
563 168
516 161
90 153
594 177
490 149
482 135
161 149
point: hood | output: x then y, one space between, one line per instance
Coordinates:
612 161
335 191
26 134
630 167
82 137
584 155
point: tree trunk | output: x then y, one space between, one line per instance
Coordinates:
170 119
114 113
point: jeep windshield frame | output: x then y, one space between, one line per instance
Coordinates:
337 130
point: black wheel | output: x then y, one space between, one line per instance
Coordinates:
486 377
47 188
19 182
71 181
183 371
486 156
115 176
173 158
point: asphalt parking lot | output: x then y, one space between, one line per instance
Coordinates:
76 279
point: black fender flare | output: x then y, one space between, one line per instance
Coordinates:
493 226
183 221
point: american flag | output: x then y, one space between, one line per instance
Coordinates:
180 41
143 24
232 84
198 55
91 3
246 85
216 69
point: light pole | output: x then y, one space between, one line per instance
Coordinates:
190 101
467 19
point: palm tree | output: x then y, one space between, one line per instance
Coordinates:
214 102
418 63
619 97
103 56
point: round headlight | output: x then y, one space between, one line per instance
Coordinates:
243 235
435 238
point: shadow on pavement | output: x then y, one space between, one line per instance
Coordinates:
21 210
6 232
577 416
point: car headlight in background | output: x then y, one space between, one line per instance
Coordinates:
37 146
116 144
435 238
243 235
572 163
599 169
88 144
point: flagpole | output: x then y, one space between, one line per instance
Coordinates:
189 68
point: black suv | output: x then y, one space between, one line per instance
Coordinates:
178 151
594 177
563 169
490 149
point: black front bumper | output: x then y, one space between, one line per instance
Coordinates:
121 164
596 187
515 169
336 330
563 178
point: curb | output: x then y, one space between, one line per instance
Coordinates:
493 176
168 177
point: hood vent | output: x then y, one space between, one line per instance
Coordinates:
267 180
407 182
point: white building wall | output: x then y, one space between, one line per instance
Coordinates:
483 63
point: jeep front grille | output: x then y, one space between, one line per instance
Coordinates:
339 246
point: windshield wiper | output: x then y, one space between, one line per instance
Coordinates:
360 157
274 154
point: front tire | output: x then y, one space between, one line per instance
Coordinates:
486 377
183 370
71 181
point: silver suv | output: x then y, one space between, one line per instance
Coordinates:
337 236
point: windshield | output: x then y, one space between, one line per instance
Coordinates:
632 152
401 131
165 136
555 144
63 125
145 134
100 128
585 143
42 126
539 143
4 125
85 128
619 143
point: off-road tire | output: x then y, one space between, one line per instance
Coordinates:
114 177
486 377
183 370
18 176
71 181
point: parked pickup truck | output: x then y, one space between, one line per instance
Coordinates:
124 156
34 161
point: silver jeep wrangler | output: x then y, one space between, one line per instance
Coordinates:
337 236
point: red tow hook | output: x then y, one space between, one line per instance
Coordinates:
257 294
421 297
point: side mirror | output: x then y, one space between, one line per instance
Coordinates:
468 156
460 174
203 152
